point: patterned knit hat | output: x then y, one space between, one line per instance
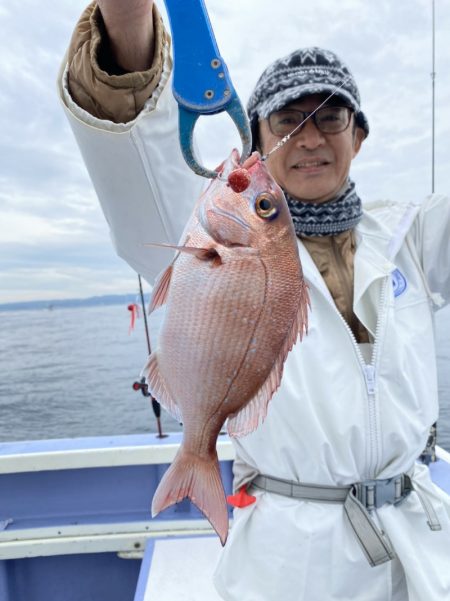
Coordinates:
302 73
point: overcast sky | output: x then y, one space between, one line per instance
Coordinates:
54 242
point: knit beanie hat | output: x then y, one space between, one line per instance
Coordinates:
304 72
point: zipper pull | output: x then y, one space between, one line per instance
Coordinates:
369 374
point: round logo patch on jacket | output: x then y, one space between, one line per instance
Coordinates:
398 282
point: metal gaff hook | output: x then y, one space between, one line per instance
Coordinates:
187 120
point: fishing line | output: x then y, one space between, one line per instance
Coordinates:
286 138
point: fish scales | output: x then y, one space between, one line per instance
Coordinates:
220 307
236 303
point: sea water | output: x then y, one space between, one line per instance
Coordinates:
69 372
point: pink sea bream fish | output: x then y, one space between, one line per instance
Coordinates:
236 303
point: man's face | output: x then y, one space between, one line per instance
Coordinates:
311 166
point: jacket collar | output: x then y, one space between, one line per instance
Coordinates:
371 266
311 273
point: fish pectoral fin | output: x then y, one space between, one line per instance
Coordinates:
157 387
161 289
201 253
198 479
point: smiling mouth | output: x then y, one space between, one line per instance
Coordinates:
310 164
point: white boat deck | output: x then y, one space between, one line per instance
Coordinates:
183 566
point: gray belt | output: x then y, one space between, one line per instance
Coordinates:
359 500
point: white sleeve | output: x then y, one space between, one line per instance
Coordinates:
431 234
144 186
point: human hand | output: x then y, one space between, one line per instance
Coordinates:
130 30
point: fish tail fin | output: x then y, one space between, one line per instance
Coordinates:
198 479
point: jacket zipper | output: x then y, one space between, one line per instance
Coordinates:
369 373
370 377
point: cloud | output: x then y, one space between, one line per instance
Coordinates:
54 240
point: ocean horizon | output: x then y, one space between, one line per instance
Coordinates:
63 303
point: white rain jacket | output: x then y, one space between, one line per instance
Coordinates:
337 418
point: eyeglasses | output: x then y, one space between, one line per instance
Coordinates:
328 120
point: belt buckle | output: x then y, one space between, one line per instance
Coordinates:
373 494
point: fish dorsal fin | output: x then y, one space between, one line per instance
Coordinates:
161 289
301 320
255 411
157 387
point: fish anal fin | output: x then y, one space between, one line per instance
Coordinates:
255 411
161 289
158 388
198 479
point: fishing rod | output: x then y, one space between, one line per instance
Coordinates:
429 453
433 91
142 386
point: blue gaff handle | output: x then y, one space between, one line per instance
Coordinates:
201 82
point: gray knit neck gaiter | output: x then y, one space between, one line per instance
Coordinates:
327 218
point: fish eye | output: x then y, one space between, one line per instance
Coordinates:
265 206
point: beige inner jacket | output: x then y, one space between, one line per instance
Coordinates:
104 90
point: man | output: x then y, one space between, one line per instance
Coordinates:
359 394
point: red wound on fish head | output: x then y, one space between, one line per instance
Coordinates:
239 179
